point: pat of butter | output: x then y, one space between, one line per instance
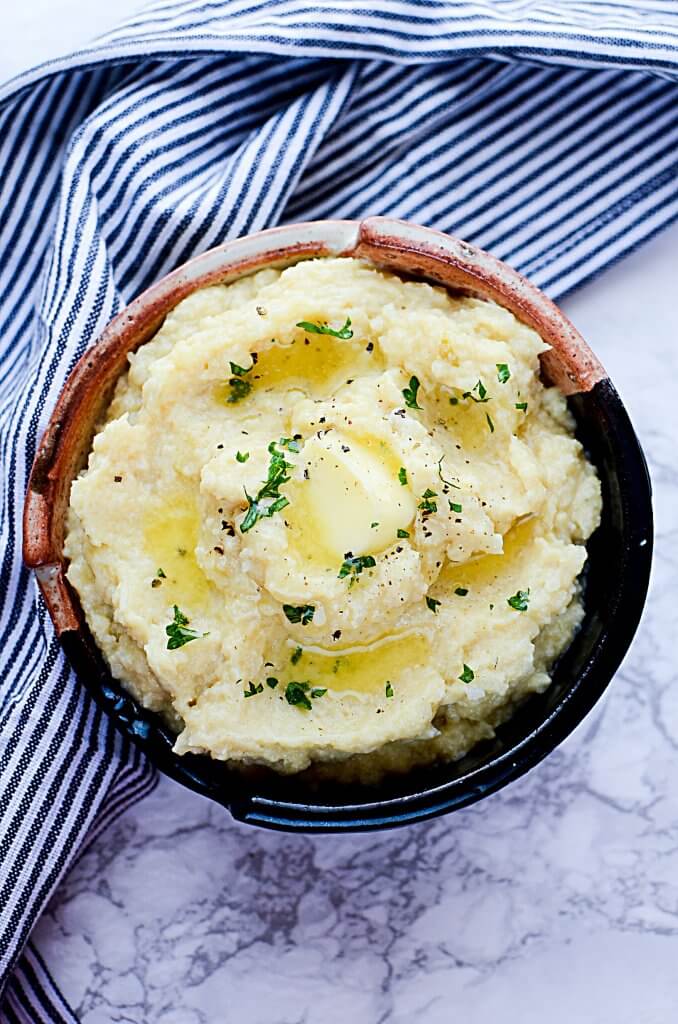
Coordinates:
351 498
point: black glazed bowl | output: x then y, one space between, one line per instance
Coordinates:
619 552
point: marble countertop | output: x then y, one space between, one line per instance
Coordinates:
555 899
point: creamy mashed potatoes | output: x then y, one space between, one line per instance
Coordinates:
333 517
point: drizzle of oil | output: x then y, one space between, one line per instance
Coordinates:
358 669
486 568
170 538
318 368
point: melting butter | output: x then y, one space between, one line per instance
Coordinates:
318 367
364 669
349 500
170 538
485 569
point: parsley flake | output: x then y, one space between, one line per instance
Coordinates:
270 491
240 457
468 675
489 422
318 691
239 371
522 406
520 600
344 333
302 613
402 533
354 565
295 694
389 690
454 506
482 395
161 574
296 655
373 526
402 475
291 443
432 604
427 505
410 394
503 372
238 387
461 591
253 690
179 633
272 682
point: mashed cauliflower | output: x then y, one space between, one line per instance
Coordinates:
333 516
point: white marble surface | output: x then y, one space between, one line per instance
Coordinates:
556 899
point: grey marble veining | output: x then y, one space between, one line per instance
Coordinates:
556 899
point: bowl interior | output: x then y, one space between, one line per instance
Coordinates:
615 586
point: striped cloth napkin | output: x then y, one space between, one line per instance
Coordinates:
546 132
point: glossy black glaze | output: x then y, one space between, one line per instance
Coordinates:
620 554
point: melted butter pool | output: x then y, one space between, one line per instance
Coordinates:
316 364
356 669
485 569
170 538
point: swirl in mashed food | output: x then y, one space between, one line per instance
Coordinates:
333 516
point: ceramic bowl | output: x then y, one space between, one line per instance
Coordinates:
619 552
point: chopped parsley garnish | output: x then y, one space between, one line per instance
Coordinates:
242 457
270 491
373 526
344 333
158 578
389 690
454 506
253 690
238 387
179 633
520 600
402 533
489 422
272 682
239 371
296 655
295 694
482 395
468 675
354 565
291 443
461 591
427 504
302 613
410 394
402 475
318 691
503 372
522 406
432 604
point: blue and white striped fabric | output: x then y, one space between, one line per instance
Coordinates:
544 131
